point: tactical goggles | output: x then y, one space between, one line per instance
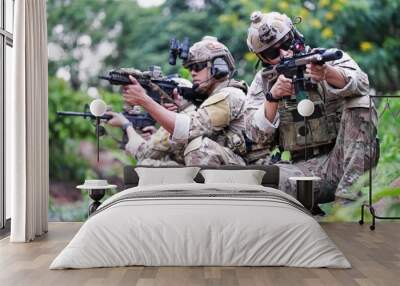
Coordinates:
197 66
274 52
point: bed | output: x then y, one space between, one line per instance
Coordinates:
201 224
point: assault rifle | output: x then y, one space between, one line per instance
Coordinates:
138 121
295 66
158 86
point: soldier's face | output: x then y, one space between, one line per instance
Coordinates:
280 50
282 54
199 76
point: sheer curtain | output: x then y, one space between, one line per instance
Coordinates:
27 124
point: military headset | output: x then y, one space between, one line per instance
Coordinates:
220 68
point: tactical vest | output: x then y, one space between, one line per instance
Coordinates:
227 137
321 130
238 84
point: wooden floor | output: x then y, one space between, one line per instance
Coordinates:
374 255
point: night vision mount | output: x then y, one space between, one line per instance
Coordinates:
178 49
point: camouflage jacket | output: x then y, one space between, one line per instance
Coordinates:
219 118
159 146
354 94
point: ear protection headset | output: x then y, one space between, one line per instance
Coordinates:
219 68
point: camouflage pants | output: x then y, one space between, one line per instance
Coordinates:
347 161
204 151
160 153
158 162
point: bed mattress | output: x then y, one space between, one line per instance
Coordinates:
201 225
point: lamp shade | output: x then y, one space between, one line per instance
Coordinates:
98 107
305 107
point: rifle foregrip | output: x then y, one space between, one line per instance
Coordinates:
117 79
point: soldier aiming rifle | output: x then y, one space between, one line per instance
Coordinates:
211 135
337 132
159 87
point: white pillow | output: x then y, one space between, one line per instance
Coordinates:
164 176
248 177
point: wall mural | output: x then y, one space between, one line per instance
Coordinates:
175 84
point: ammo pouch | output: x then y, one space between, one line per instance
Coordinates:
258 151
235 142
321 128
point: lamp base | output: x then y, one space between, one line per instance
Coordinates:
96 195
305 193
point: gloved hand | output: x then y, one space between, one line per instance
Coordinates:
117 120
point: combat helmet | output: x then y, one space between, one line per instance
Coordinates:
266 30
207 50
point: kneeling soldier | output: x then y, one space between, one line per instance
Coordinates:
338 131
213 134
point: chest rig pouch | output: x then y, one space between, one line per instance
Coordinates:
321 129
219 109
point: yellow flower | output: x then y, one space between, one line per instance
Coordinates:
229 19
366 46
283 5
223 18
324 3
329 16
250 57
315 23
304 13
337 7
327 33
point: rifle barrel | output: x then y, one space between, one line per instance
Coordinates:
332 55
82 114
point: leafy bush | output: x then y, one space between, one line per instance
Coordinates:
65 133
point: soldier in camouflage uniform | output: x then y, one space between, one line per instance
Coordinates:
338 137
212 135
157 149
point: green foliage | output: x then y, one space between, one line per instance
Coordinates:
69 212
367 29
386 172
389 129
65 162
65 133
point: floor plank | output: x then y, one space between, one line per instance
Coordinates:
374 255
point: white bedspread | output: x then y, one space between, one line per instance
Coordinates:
254 230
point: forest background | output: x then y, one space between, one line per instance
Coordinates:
87 38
